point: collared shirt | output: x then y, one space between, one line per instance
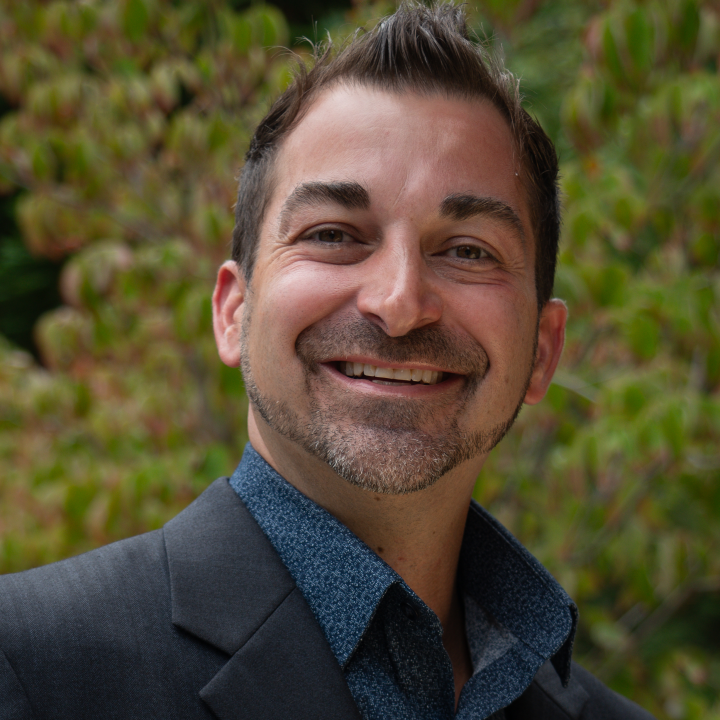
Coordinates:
386 639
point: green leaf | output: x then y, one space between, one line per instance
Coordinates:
611 54
640 36
644 336
135 19
688 28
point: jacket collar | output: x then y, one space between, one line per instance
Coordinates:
230 589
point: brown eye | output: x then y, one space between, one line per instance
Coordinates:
330 235
469 252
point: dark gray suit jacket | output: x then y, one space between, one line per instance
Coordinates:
198 620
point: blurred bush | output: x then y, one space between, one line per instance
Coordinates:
614 481
126 125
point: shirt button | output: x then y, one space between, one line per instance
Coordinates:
409 610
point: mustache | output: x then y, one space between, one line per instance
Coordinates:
434 345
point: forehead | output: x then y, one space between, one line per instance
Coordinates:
409 151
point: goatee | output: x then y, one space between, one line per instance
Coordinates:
382 445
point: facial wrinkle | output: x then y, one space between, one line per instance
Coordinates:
429 345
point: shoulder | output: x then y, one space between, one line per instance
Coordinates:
77 619
78 582
71 587
585 698
605 703
62 610
108 584
77 633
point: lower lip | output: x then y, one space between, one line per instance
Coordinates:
368 386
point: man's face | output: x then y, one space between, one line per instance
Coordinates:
390 326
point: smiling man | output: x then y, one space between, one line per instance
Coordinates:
389 303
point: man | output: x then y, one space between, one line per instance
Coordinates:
389 302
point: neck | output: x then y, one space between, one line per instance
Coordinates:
419 535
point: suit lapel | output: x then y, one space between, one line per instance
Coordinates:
229 588
547 699
286 670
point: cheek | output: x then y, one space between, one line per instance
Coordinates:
505 327
292 300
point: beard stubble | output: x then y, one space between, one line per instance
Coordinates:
382 445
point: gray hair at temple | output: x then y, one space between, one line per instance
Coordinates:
421 49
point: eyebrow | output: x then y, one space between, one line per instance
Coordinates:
463 207
347 194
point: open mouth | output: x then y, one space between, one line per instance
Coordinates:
391 376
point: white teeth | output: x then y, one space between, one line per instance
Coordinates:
355 369
388 373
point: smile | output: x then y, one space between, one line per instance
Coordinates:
391 376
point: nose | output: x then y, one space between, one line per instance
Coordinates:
399 293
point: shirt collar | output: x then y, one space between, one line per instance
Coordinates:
343 580
516 591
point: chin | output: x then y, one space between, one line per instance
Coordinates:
395 461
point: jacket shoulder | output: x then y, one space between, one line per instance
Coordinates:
585 698
110 584
604 703
85 599
93 636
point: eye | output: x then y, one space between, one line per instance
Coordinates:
329 236
468 252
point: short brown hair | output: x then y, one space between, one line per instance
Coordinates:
426 50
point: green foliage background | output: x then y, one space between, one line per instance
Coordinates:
123 125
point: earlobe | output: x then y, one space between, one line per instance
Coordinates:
227 301
551 338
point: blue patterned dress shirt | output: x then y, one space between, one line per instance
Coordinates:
386 640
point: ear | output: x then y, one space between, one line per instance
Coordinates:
227 301
551 338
